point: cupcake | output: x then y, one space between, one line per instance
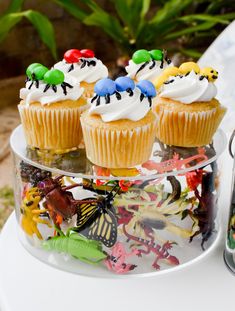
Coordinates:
119 128
50 108
186 106
147 65
85 67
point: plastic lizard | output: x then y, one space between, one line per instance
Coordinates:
161 252
175 163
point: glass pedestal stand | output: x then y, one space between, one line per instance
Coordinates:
149 219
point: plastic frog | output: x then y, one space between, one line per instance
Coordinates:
76 245
31 212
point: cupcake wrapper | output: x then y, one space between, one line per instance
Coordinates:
118 148
188 129
52 129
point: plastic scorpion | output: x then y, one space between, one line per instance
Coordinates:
31 213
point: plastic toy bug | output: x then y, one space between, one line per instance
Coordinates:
93 214
58 200
77 246
31 213
32 174
97 220
205 212
116 260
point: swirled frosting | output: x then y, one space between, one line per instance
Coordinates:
87 69
38 91
188 89
124 105
148 70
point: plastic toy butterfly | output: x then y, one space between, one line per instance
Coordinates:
97 220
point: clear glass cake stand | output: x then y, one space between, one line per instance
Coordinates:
147 220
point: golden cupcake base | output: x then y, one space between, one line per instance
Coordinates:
187 125
118 144
53 127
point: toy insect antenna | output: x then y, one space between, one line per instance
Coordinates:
110 195
72 186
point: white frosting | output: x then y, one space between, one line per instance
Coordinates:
146 73
188 89
128 107
88 74
35 94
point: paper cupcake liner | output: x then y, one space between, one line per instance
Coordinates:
188 129
118 148
52 129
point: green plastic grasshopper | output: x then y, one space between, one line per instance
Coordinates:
76 245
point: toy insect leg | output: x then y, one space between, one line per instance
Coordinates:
71 186
57 219
30 227
39 211
36 231
42 221
26 225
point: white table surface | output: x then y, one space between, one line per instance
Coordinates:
26 284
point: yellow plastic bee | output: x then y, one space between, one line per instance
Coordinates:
168 72
188 67
210 73
31 212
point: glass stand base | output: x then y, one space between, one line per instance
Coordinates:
193 253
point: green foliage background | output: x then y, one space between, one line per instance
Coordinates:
134 24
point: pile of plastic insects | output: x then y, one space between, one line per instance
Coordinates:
119 221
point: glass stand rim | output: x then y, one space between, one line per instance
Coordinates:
19 147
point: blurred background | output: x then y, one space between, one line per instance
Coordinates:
42 30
